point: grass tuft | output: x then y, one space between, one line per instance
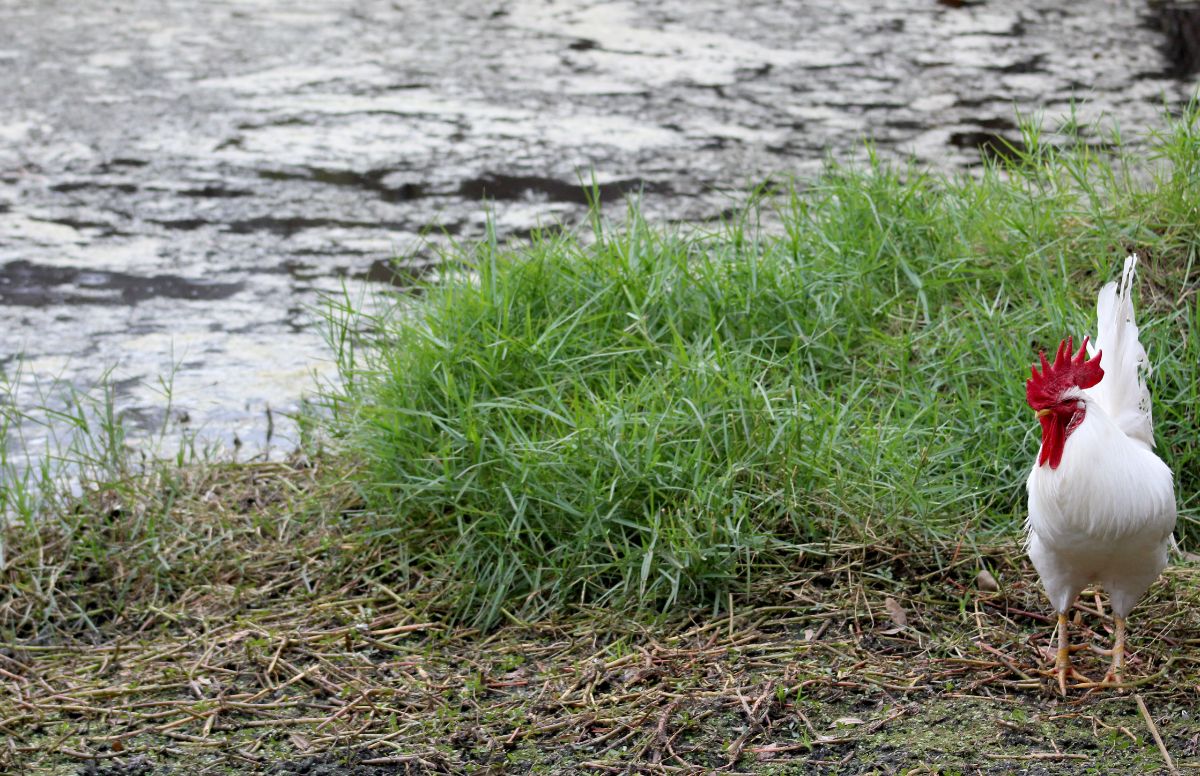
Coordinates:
651 416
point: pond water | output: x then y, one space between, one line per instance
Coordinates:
181 181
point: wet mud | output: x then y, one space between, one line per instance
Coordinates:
180 182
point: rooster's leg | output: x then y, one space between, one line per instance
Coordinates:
1062 665
1118 653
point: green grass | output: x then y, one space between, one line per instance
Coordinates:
641 415
95 531
57 443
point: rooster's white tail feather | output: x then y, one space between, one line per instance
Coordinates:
1122 393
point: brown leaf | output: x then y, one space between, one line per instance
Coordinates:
986 582
895 611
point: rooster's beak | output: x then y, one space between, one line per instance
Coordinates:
1044 413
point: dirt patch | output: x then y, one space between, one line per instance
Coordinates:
136 766
352 764
345 764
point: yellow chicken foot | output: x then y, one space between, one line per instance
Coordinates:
1118 653
1112 679
1062 664
1118 643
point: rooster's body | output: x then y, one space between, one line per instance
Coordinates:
1101 503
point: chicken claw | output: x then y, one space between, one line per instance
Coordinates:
1062 665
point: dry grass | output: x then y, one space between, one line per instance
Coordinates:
865 658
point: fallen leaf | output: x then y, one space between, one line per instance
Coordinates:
895 611
986 582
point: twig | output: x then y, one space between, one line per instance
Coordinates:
397 759
87 755
1154 732
1004 659
1037 756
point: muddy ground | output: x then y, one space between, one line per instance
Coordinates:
180 181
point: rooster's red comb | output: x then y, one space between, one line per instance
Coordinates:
1045 389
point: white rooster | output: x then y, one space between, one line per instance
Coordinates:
1101 503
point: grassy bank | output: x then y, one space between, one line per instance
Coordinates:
648 416
640 498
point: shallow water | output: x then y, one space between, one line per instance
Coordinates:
180 181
